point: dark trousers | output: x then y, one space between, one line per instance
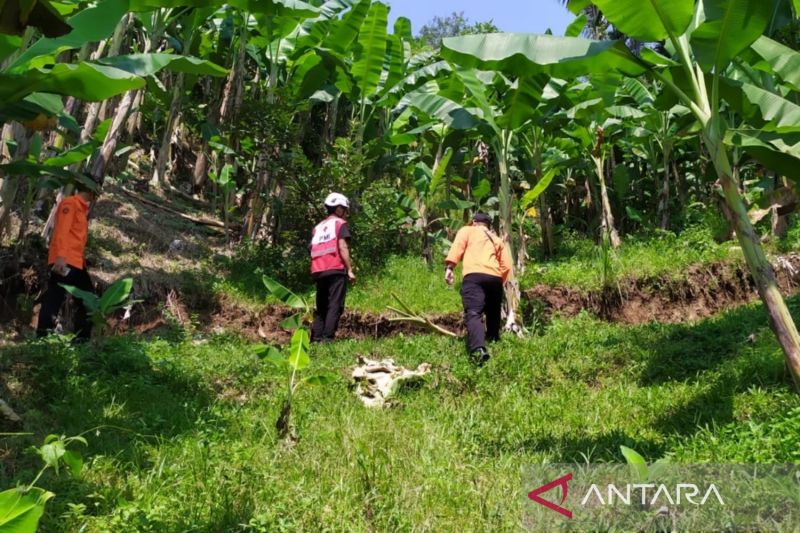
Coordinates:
54 297
331 291
482 294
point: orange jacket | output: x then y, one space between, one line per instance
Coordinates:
483 252
70 232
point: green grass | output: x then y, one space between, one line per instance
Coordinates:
409 278
579 262
181 430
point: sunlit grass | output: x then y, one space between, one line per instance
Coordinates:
579 263
190 443
409 278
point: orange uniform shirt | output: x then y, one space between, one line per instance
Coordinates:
70 232
482 251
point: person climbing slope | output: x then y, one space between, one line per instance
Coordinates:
487 264
331 267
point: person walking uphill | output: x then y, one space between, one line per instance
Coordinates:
331 267
67 262
487 264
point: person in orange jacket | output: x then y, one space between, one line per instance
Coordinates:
67 262
487 266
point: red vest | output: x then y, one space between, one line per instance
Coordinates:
325 245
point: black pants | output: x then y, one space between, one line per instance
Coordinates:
331 291
482 294
54 297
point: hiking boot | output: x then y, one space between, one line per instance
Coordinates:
479 356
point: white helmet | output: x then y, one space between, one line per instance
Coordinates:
335 199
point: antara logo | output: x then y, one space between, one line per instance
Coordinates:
562 482
649 493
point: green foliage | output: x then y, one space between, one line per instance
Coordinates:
295 361
21 508
101 308
287 297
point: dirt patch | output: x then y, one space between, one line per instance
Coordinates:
705 291
264 324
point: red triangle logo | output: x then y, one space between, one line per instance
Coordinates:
562 482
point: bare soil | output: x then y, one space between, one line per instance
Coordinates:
704 291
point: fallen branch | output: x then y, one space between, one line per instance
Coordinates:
196 220
407 315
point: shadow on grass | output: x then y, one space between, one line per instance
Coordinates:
719 359
740 338
110 391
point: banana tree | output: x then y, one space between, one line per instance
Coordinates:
704 38
654 135
495 111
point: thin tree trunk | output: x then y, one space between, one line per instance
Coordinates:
607 218
780 225
160 177
680 185
663 199
112 137
780 319
512 290
256 203
9 185
93 113
331 119
134 122
522 254
546 222
227 108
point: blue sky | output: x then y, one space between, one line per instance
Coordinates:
529 16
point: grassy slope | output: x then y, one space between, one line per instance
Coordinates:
579 264
189 443
181 429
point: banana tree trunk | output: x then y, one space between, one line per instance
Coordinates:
256 203
780 225
546 222
680 185
607 218
160 178
134 123
331 118
93 110
9 185
663 199
512 289
112 137
229 96
522 254
780 319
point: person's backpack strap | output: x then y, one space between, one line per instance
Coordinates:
494 245
498 253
